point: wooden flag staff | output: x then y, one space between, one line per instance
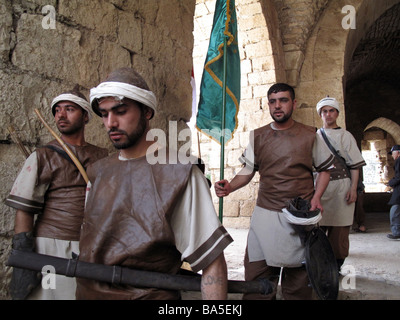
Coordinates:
222 160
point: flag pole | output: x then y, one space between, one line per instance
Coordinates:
222 163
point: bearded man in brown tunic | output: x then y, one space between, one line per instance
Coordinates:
51 189
143 215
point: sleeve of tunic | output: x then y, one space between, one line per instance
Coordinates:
26 194
199 235
350 152
248 157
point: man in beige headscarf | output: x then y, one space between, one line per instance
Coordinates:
341 194
51 186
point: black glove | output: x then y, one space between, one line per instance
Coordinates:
23 281
301 208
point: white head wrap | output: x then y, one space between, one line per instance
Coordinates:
328 101
123 90
73 98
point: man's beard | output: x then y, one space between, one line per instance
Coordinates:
133 138
285 118
73 128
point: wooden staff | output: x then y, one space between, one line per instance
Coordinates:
65 147
17 141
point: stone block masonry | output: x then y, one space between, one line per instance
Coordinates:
43 53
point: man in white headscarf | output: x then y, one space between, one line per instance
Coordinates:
341 194
51 186
146 216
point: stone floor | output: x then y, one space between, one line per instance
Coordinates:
371 272
376 261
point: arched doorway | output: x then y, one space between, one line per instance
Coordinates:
372 68
372 81
379 136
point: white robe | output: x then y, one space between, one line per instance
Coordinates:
336 210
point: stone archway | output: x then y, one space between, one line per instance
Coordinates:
372 66
371 88
322 72
387 125
378 137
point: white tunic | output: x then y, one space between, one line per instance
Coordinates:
336 210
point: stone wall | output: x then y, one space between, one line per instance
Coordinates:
89 39
297 22
323 68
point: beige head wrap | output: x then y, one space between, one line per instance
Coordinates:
328 101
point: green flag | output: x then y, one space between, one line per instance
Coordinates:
209 115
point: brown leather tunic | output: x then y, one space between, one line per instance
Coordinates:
285 162
65 198
127 223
